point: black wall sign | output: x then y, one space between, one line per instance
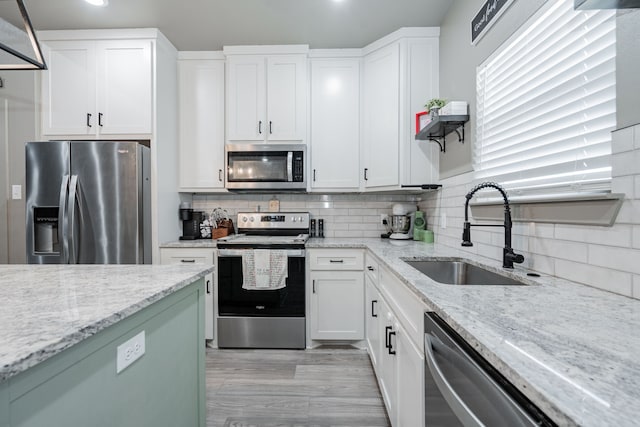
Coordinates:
487 15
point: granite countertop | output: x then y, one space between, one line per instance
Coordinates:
196 243
572 349
48 308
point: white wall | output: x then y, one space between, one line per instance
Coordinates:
603 257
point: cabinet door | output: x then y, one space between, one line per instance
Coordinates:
124 86
195 256
410 382
286 97
68 88
372 307
380 143
337 305
387 361
335 124
246 103
201 110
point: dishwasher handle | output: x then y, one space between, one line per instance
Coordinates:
457 405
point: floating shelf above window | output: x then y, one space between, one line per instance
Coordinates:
442 126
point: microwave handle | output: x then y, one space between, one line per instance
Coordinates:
290 166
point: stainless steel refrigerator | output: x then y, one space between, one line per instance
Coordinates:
88 202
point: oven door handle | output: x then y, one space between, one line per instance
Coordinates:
291 253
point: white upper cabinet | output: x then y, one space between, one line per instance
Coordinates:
335 124
97 87
266 94
201 112
380 142
400 76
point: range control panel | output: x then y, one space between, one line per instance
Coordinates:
279 220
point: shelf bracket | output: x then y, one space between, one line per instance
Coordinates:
437 141
460 137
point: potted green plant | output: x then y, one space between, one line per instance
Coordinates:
433 105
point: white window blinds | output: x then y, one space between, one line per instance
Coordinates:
546 104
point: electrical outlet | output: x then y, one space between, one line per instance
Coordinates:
16 192
130 351
383 217
443 220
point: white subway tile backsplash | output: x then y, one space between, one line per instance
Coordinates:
622 140
623 164
618 235
560 249
635 237
620 259
624 185
635 292
636 137
599 277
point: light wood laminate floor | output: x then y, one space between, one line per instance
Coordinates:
269 388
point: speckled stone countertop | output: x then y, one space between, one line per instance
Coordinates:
196 243
572 349
45 309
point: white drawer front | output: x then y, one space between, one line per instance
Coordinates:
342 259
186 256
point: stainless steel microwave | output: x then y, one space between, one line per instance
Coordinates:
266 167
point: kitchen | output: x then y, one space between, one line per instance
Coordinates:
598 256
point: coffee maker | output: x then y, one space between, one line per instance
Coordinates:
190 223
400 223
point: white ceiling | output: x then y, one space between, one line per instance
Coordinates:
211 24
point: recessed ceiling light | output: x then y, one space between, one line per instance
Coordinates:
98 2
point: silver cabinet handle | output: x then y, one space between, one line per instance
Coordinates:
220 175
462 411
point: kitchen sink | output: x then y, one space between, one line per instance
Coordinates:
461 273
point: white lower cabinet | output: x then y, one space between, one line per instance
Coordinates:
195 256
394 345
336 295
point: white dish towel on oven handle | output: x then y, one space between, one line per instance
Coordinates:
264 269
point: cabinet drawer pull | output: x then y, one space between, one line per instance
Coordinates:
336 261
314 175
208 288
370 268
373 306
391 350
89 120
220 175
100 119
366 178
270 131
313 285
260 127
188 260
387 333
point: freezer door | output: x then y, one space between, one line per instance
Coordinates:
106 222
47 175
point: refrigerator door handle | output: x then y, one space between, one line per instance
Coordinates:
71 211
62 221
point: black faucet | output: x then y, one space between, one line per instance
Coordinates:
508 255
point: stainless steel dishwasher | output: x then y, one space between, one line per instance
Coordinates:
463 389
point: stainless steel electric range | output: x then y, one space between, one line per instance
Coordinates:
263 318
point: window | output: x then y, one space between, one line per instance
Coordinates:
546 105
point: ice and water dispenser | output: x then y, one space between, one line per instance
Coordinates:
45 230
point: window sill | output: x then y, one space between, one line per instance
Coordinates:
590 209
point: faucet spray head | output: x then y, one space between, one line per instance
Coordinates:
466 234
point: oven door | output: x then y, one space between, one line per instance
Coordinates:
233 300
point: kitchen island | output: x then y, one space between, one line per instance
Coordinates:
571 349
62 327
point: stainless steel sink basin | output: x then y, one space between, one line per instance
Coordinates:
461 273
